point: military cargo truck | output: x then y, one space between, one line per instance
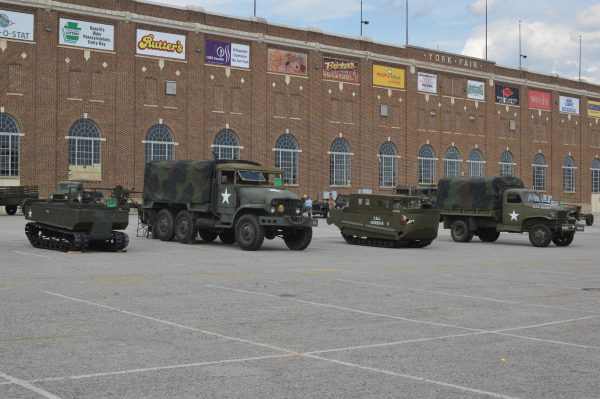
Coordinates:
12 197
385 220
486 206
237 201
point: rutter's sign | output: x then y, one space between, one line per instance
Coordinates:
160 44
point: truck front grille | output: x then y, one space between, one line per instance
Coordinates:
289 206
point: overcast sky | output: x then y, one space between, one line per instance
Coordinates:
550 29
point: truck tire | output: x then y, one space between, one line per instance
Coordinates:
227 236
162 228
589 219
540 235
10 209
207 236
563 239
185 230
488 235
459 230
297 240
249 233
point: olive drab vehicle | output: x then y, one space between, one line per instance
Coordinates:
12 197
486 206
237 201
386 220
75 219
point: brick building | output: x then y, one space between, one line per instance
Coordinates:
91 89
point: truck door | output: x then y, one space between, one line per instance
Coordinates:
512 209
225 196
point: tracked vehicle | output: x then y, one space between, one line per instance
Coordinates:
392 221
76 220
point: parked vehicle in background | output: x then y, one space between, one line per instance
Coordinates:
12 197
487 206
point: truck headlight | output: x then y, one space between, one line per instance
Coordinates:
297 211
272 209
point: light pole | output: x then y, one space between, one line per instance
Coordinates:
486 22
362 21
406 23
579 57
521 55
254 8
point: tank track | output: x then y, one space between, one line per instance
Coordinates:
47 237
383 243
118 242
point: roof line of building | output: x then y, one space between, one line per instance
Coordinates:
312 46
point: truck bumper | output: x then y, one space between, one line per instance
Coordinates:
280 221
572 227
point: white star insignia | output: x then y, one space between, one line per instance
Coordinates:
514 215
30 213
225 196
79 198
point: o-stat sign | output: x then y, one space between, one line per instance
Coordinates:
160 44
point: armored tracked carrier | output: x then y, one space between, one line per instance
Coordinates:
392 221
76 220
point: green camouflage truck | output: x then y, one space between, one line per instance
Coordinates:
486 206
237 201
12 197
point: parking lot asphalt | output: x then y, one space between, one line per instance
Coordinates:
208 320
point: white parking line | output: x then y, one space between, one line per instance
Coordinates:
29 386
468 296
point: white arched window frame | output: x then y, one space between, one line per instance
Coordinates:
476 163
286 157
539 166
595 175
226 145
340 163
452 162
507 164
160 143
569 170
9 146
388 165
427 164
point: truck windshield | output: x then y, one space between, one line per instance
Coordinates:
251 176
531 196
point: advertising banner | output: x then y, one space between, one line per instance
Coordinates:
228 54
16 25
86 34
507 95
427 82
388 77
160 44
475 90
539 100
593 108
341 70
284 61
569 105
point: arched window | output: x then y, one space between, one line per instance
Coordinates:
226 145
9 146
452 162
159 143
427 165
339 163
84 151
286 157
569 174
388 165
539 172
507 164
475 163
596 175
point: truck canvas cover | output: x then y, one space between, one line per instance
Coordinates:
178 181
477 193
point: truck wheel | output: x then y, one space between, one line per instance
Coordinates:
249 233
11 209
563 239
297 240
185 230
227 236
589 219
488 235
207 236
540 235
162 228
459 230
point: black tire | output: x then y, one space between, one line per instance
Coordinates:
227 236
249 233
540 235
11 209
589 219
297 240
207 236
162 228
563 239
185 229
488 235
459 230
